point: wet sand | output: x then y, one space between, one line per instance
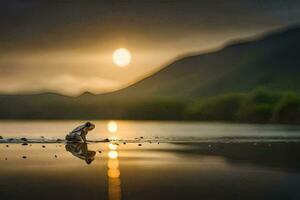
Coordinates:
203 170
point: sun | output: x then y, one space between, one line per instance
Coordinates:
121 57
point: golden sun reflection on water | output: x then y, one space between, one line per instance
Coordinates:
113 171
113 164
112 154
112 126
112 146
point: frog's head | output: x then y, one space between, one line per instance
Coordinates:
89 126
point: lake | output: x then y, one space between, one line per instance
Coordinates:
149 160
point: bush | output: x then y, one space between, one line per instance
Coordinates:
257 106
258 113
223 107
261 96
287 110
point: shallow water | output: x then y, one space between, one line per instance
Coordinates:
191 161
175 131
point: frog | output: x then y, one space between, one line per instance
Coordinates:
79 133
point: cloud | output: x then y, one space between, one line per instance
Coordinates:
71 43
42 25
65 84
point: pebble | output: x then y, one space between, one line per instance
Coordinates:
55 156
106 140
44 146
7 145
24 157
24 139
5 158
99 151
124 142
140 144
24 144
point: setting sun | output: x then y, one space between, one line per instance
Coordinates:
121 57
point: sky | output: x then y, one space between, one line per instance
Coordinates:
66 46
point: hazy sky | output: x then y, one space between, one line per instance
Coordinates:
66 46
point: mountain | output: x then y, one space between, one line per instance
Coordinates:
271 62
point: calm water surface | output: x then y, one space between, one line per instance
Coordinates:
172 161
132 129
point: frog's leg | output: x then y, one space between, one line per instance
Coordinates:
83 135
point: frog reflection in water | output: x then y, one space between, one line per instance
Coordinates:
76 142
80 150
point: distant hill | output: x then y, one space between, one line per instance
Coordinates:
271 62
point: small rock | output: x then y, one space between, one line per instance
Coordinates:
140 144
55 156
158 143
58 140
5 158
99 151
42 137
1 137
44 146
24 157
24 139
124 142
24 144
7 145
106 140
142 137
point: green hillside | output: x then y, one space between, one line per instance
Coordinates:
272 61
